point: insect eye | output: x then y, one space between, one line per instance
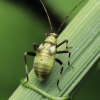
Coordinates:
56 36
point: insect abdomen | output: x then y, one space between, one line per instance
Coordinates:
43 64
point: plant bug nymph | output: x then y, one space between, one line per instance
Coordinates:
45 53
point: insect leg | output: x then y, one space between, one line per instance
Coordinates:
66 51
47 34
65 41
25 54
35 46
61 63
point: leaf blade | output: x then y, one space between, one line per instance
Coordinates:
83 33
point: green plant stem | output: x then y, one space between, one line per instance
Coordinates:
42 92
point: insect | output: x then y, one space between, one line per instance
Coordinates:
45 53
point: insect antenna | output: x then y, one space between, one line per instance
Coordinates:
51 28
68 15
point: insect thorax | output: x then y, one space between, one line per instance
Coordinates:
52 38
49 45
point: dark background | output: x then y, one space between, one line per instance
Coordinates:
21 24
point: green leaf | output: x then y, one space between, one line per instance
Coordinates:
83 34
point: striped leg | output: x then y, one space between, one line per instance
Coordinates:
66 51
65 41
35 46
61 63
47 34
25 54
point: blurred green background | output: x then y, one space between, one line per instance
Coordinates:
21 25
